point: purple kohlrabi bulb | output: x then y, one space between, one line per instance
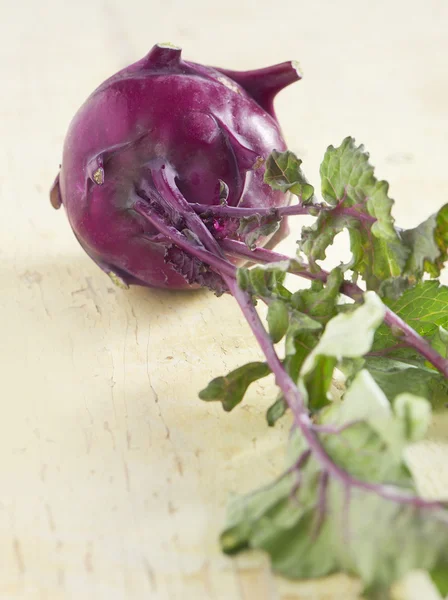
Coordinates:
213 127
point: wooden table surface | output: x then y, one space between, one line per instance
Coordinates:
114 476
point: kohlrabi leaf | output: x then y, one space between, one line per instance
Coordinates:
276 411
320 301
359 203
439 341
283 173
394 287
349 334
439 576
395 377
423 307
441 238
312 524
318 381
315 239
428 243
277 319
378 431
348 178
443 335
251 229
374 429
303 332
302 336
310 310
376 259
265 281
231 388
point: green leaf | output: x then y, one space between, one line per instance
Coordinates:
429 244
283 173
349 334
395 377
439 576
251 229
394 287
415 414
310 310
376 437
312 526
316 238
376 259
443 335
372 447
265 280
347 176
278 320
242 278
424 307
320 301
424 247
318 381
360 203
276 411
441 237
303 333
231 388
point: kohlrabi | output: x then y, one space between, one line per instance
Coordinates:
171 168
211 129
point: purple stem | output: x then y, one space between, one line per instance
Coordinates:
269 256
351 211
164 181
163 55
220 265
238 212
296 468
410 336
322 503
300 462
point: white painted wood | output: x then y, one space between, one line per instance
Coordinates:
114 476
